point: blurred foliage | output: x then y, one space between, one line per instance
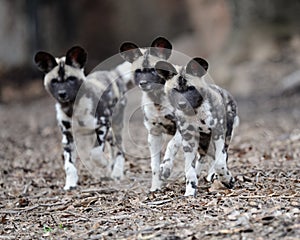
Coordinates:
101 26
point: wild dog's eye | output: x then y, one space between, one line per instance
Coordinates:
190 88
138 71
72 79
54 81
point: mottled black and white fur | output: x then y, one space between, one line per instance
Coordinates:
206 115
89 105
159 115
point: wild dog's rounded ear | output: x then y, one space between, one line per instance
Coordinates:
76 57
165 70
197 67
130 51
45 61
161 48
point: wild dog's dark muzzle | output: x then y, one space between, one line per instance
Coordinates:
143 83
182 104
186 100
148 79
65 91
62 94
178 100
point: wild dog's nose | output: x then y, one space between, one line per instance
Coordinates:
182 104
62 94
143 82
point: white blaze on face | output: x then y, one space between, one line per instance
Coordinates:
69 71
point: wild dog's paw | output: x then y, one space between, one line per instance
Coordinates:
212 176
156 185
191 189
155 189
224 177
117 174
69 188
118 168
70 185
228 181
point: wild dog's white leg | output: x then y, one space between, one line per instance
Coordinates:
97 155
118 121
116 164
203 162
204 145
212 175
104 135
117 159
69 154
199 165
117 127
155 144
218 162
102 131
219 169
71 171
172 149
190 148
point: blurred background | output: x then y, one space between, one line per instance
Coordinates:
251 45
253 48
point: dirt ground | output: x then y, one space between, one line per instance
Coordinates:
264 158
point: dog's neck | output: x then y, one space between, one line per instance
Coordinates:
67 108
157 96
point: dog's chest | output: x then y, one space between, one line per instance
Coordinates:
158 113
203 120
159 118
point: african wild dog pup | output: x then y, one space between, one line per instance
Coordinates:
206 114
159 116
87 105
